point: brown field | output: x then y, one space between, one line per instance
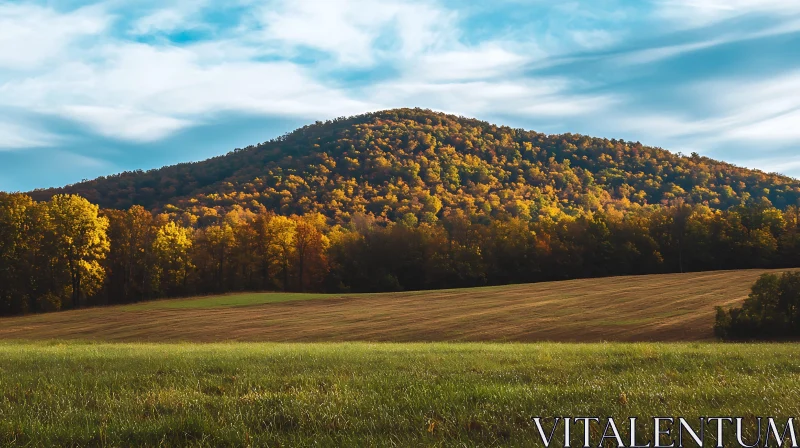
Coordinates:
671 307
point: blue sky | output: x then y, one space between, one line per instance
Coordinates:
88 89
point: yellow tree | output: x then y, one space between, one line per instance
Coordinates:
283 232
264 247
172 248
243 260
310 245
78 236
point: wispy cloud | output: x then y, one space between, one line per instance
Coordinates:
746 122
705 12
593 39
128 124
16 136
31 35
144 93
781 164
658 53
356 32
765 110
488 61
543 98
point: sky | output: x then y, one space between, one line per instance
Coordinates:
95 88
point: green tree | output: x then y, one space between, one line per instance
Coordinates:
771 311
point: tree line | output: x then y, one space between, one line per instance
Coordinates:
67 253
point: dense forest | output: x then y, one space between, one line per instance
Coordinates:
410 162
67 253
396 200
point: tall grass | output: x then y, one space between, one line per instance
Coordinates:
359 394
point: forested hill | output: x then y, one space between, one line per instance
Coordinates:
413 163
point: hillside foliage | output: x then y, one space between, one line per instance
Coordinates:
421 165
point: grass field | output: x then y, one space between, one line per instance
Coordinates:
673 307
361 394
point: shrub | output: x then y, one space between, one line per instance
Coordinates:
772 311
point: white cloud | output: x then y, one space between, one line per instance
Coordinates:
32 35
594 39
486 61
144 93
694 13
170 17
13 135
758 110
351 29
787 165
781 128
163 20
521 97
123 123
654 54
759 113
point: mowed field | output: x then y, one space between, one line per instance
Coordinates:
670 307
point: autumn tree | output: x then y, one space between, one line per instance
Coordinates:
77 237
131 262
172 251
310 245
15 241
212 250
264 248
283 231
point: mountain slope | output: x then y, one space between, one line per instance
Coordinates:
412 161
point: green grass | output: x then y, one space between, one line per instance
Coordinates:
360 394
227 301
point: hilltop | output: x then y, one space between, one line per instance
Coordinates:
411 161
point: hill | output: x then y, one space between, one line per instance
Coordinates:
400 200
411 161
671 307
